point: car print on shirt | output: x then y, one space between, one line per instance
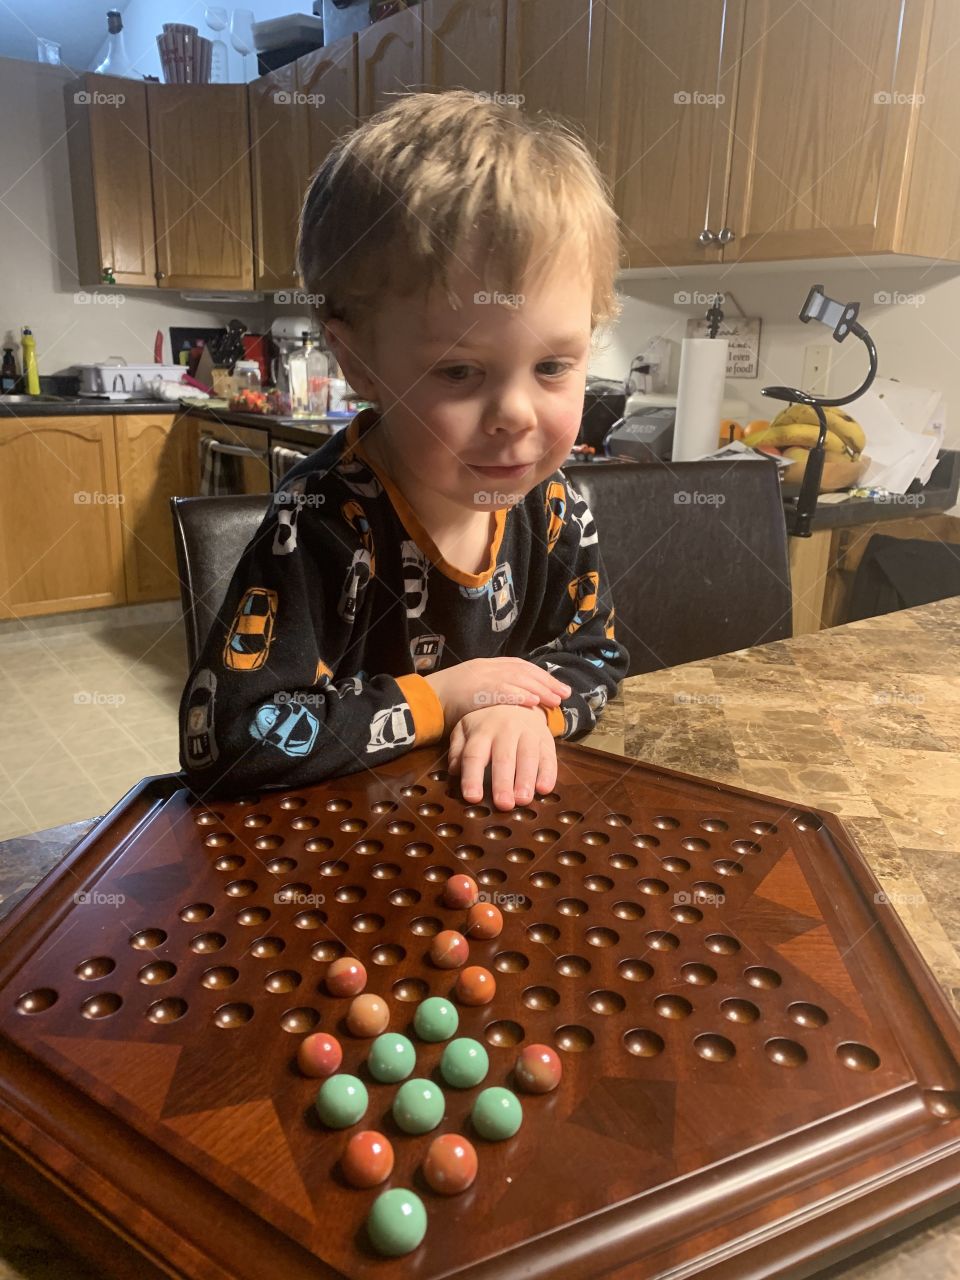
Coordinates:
358 575
555 505
502 598
392 727
608 625
583 592
290 727
426 652
356 518
571 721
358 477
352 684
323 674
415 566
251 633
596 699
200 744
288 502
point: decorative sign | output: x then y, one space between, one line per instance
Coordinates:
743 336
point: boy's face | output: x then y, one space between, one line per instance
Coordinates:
479 404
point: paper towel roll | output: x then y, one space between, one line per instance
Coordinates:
703 369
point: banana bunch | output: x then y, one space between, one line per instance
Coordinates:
797 426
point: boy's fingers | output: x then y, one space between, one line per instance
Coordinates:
528 767
472 764
547 773
455 748
503 770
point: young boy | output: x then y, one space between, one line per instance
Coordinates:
429 572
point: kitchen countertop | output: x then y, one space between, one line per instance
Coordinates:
862 720
77 407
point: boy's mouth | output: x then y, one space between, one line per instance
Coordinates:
503 473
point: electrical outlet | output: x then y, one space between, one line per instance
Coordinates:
817 358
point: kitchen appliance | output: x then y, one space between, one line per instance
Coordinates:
343 17
114 379
603 405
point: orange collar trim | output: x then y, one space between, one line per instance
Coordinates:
359 426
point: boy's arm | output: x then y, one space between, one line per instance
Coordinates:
261 706
583 650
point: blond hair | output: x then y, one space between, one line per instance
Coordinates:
398 201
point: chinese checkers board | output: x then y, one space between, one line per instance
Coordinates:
758 1074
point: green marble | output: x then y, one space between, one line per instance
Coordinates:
397 1222
341 1101
418 1106
392 1058
464 1063
436 1019
497 1114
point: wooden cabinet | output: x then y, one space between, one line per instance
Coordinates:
557 76
669 84
278 152
389 60
829 124
199 137
327 81
154 464
60 538
109 149
463 44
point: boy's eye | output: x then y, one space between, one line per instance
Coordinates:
557 367
550 369
456 372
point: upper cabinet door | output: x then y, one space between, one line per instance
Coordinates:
463 44
669 82
109 148
200 137
553 59
390 56
278 151
822 126
327 81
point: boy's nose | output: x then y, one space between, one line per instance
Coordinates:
511 412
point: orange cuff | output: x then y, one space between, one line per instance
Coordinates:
555 720
426 707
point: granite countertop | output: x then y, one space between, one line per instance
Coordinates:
862 720
81 407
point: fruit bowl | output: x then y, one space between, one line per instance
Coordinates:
839 472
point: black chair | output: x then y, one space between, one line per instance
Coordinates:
210 535
695 554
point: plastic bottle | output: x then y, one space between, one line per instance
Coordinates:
116 63
309 374
9 378
31 377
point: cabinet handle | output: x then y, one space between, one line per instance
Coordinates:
726 235
707 236
161 275
107 276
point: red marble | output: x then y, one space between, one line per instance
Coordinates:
460 891
319 1054
476 985
450 1165
368 1015
484 921
346 977
449 949
368 1159
538 1068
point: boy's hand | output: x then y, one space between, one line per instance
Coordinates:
483 683
517 743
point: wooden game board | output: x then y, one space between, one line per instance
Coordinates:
760 1073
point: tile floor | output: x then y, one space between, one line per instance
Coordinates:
91 708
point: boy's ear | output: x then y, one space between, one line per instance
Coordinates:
351 353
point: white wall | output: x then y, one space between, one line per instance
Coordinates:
38 258
917 339
143 21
